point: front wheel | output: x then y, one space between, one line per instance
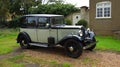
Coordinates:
73 48
24 43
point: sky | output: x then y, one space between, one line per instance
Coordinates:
78 3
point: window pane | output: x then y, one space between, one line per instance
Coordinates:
23 22
42 22
99 5
99 12
31 21
106 12
106 4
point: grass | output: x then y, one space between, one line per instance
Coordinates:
12 61
108 43
7 40
21 60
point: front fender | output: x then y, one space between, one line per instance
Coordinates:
92 34
75 37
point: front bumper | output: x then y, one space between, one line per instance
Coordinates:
90 45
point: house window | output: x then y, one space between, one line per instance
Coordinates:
103 9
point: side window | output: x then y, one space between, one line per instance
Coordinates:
43 22
23 22
28 22
31 22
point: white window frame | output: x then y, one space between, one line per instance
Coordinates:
102 5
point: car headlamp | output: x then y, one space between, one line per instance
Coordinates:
88 30
80 33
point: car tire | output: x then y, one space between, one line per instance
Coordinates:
24 43
73 48
92 47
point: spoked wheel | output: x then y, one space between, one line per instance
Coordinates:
73 48
24 43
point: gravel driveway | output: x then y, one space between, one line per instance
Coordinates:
95 58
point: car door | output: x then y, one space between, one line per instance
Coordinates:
43 29
29 26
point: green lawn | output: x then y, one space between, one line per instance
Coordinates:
7 40
14 61
108 43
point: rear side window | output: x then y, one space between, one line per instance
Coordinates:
28 22
42 22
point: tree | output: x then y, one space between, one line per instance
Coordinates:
24 5
4 11
57 8
8 7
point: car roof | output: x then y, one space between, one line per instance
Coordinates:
43 15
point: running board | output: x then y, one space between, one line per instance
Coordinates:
90 45
39 44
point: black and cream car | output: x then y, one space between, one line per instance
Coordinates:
48 30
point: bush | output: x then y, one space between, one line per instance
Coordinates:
68 22
3 24
14 23
10 24
82 22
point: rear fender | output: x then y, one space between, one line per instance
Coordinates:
23 34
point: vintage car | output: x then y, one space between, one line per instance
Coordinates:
48 30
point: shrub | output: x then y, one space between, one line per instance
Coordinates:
82 22
14 23
10 24
3 24
68 22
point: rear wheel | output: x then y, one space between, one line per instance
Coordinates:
73 48
24 42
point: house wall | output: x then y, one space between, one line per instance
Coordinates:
82 14
105 26
76 17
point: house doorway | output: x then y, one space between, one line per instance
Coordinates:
76 18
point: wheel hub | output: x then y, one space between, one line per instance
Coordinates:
23 42
71 48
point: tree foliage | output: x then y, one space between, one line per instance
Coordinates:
13 6
4 11
11 9
57 8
